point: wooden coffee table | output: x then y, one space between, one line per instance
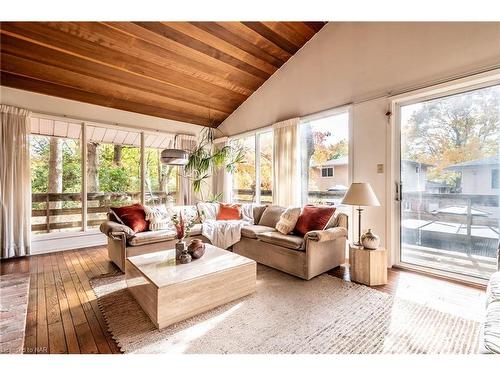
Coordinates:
170 292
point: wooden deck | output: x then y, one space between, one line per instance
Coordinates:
63 316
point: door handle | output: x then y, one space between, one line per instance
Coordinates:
399 191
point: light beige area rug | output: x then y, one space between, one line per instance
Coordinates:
289 315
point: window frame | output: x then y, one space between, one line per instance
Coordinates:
327 174
256 134
84 192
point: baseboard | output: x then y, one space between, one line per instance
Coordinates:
46 244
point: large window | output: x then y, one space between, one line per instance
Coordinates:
113 177
324 149
56 178
252 180
449 173
113 171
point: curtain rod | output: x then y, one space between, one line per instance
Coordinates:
389 94
106 123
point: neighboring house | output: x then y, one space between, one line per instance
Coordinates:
414 176
436 187
479 176
332 174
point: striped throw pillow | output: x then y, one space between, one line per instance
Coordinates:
158 217
287 220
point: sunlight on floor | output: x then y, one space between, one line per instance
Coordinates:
441 295
180 342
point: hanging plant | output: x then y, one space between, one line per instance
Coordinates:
207 158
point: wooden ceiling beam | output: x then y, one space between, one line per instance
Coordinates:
197 33
54 39
170 33
49 88
235 40
37 53
274 37
24 67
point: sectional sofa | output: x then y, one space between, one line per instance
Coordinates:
303 256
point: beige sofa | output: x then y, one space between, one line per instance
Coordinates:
303 256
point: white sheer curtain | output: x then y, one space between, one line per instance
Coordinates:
286 173
186 195
15 182
220 177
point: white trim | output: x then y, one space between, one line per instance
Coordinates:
83 141
52 242
257 167
265 129
326 113
445 274
460 85
103 124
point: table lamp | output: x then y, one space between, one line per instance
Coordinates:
360 194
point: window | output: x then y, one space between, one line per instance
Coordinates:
327 172
451 216
495 182
112 173
324 146
255 171
56 178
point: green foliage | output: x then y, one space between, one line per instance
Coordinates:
206 159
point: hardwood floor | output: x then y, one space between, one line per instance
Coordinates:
63 315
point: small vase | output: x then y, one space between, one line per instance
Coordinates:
370 240
196 248
180 247
185 257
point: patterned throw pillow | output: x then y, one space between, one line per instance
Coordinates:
287 220
158 218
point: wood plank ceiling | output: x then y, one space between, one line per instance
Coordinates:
196 72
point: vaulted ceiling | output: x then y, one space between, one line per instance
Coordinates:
196 72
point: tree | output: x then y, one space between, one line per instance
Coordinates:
92 167
451 130
55 169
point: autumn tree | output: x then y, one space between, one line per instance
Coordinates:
451 130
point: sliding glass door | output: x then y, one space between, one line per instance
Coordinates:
449 173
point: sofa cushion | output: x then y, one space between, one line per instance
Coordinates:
251 231
144 238
258 210
271 216
285 240
196 230
188 212
132 216
313 218
491 328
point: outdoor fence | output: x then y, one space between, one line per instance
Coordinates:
63 211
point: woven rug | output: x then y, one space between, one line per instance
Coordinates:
290 315
14 292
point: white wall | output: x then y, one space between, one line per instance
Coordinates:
71 108
353 62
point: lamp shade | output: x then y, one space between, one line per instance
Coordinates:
360 194
173 156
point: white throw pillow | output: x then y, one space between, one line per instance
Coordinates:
158 218
288 219
208 210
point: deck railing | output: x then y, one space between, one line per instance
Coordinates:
63 211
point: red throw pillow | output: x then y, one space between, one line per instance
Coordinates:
313 218
132 216
229 212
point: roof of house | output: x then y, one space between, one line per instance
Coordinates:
414 162
333 162
475 163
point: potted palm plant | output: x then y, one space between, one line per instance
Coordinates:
207 158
